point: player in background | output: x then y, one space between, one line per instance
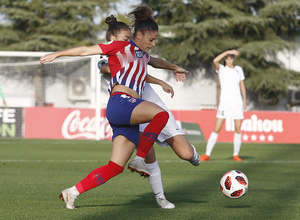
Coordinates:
125 109
2 97
171 134
232 101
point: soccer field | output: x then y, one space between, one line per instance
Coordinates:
33 172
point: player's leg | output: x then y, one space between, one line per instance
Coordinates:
124 110
142 113
122 150
155 180
184 149
212 139
237 140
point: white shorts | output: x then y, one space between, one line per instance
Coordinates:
172 128
230 110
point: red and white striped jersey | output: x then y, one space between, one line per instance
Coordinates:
127 63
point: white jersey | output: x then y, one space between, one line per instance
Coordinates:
103 60
230 83
231 101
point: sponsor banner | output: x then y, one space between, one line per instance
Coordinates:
64 123
192 131
257 126
11 120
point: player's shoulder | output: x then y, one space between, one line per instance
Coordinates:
118 43
221 66
238 68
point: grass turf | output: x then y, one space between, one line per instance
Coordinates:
33 172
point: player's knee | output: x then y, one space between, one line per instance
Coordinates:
163 117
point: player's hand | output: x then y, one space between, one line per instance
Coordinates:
47 58
168 89
234 52
244 104
179 74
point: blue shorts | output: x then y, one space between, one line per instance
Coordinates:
118 112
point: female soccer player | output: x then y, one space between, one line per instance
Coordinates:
232 101
171 133
125 109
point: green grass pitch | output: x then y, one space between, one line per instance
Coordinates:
33 172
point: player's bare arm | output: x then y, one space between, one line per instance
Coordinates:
165 86
179 72
243 91
105 69
75 51
218 58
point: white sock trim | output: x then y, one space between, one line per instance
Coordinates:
151 165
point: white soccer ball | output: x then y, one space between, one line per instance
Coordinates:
234 184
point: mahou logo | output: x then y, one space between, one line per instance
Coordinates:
253 124
258 130
75 127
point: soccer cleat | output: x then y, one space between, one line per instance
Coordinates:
237 158
196 160
138 166
204 157
68 198
163 203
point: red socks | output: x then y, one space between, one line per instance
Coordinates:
104 173
151 133
99 176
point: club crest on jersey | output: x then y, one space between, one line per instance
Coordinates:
139 53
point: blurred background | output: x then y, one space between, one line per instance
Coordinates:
191 34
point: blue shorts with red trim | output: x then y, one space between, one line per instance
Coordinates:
118 112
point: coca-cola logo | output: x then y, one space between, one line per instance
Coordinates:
76 127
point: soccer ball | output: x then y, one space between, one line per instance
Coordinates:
234 184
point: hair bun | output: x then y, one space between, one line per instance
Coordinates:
110 20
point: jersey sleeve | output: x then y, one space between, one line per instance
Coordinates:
112 47
241 72
221 68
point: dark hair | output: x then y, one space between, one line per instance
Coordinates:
142 19
229 55
114 27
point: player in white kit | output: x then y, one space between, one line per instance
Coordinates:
232 101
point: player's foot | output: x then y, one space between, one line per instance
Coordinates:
237 158
68 198
204 157
196 160
163 203
137 165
